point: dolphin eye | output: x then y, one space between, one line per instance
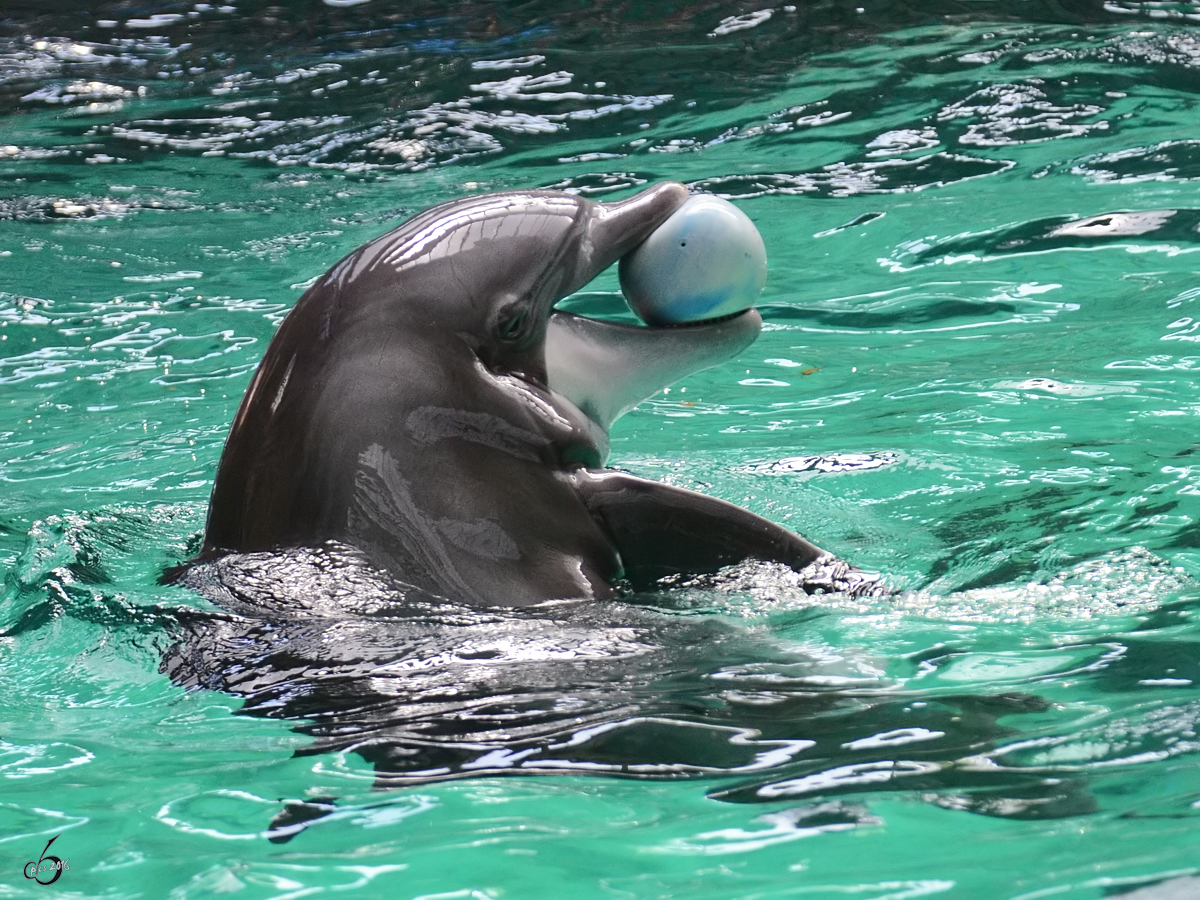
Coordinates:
512 327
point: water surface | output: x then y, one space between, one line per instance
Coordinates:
976 377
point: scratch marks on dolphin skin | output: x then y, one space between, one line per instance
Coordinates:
430 424
383 502
542 408
283 384
483 537
475 224
440 226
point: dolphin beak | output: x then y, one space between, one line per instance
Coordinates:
614 229
607 368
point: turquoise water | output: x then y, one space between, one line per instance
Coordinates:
975 378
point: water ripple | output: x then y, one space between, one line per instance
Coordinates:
848 179
1015 446
1002 114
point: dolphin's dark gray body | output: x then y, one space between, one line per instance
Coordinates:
424 403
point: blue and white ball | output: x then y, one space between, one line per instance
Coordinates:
704 262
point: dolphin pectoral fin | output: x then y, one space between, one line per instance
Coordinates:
660 530
606 368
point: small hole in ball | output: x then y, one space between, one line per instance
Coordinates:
683 243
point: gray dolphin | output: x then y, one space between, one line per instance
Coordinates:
424 403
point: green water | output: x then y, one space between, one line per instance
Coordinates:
956 387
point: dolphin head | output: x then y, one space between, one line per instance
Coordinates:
488 270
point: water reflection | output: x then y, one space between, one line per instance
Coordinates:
1137 228
364 88
1043 663
426 690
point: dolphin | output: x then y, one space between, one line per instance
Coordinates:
426 405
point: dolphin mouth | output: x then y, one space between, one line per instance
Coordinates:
608 368
715 320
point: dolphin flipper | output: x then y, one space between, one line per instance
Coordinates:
660 530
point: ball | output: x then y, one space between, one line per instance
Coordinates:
704 262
